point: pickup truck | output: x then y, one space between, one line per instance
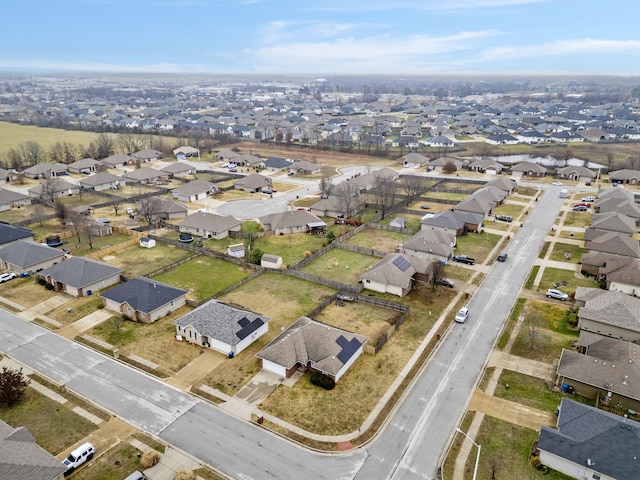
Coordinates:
464 259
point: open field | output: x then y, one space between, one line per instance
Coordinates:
203 276
12 135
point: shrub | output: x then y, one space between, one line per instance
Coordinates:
185 475
149 458
307 254
41 281
48 286
322 380
535 463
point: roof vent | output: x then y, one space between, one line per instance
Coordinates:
626 377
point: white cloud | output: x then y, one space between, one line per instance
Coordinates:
559 47
373 5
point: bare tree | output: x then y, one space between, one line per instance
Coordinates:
349 195
147 208
326 185
49 190
449 167
63 213
38 214
412 185
102 147
435 270
385 192
88 230
116 202
533 323
129 143
33 153
485 150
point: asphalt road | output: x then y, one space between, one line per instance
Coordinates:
410 445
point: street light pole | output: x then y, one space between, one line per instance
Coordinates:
475 468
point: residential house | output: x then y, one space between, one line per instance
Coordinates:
145 175
144 300
613 222
577 173
439 141
611 242
102 181
53 187
311 345
178 169
528 169
503 184
186 152
303 167
80 276
194 191
10 199
394 274
227 156
335 207
596 263
252 183
85 165
487 166
413 160
590 443
7 176
277 164
604 368
118 160
613 314
249 161
210 225
271 261
224 328
618 203
430 245
625 177
147 155
45 170
625 277
10 234
157 208
294 221
28 257
476 204
438 164
23 458
502 139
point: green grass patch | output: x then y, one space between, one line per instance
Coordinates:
572 281
544 249
566 252
526 390
505 453
341 265
513 318
577 219
75 309
375 239
532 277
139 261
203 276
572 235
54 426
526 191
477 245
512 209
292 248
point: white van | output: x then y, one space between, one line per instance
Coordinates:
137 475
80 455
563 193
589 199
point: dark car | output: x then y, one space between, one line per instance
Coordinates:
504 218
502 257
464 259
447 282
580 208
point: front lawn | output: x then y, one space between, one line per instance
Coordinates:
477 245
115 464
75 309
530 391
566 252
569 277
54 426
577 219
25 291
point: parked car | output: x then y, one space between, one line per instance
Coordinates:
268 191
462 315
137 475
504 218
5 277
79 456
343 297
557 184
589 199
553 293
580 208
464 259
582 204
447 282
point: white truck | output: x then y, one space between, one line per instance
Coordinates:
563 193
79 456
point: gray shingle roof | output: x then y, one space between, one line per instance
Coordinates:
100 178
79 272
22 459
610 308
24 254
9 233
310 341
222 322
210 222
9 196
144 295
584 433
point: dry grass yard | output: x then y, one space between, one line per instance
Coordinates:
25 291
373 238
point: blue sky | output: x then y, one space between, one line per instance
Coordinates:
322 37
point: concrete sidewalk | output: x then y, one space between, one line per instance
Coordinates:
522 365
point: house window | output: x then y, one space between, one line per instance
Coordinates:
171 303
596 476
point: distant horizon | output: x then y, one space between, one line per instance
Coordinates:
334 38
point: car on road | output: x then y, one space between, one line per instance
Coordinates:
268 191
557 184
504 218
502 257
5 277
462 315
557 294
464 259
447 282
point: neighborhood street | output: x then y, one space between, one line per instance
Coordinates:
408 447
